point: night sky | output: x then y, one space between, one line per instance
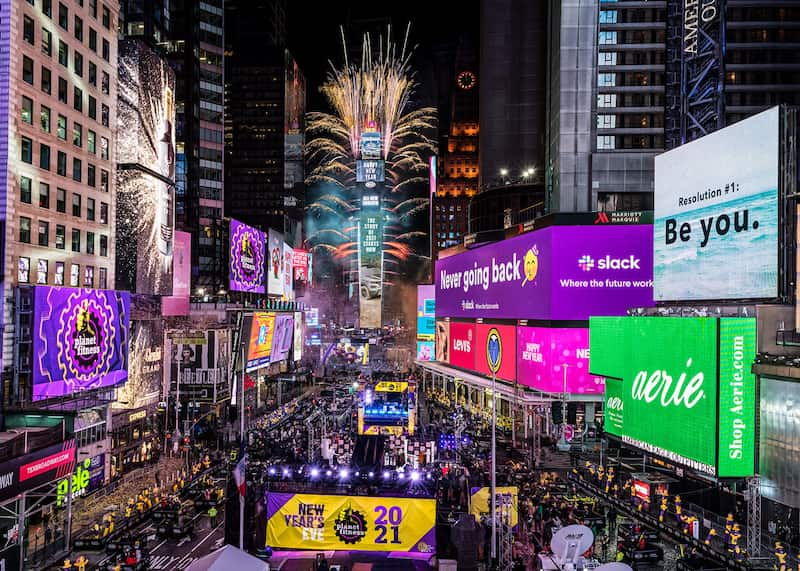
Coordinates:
314 38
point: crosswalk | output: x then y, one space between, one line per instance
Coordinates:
158 562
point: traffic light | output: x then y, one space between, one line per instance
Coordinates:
557 412
572 413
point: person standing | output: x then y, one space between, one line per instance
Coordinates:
212 516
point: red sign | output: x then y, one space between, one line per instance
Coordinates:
300 265
46 464
462 345
641 490
508 350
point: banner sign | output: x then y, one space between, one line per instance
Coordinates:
282 337
288 274
275 263
262 331
300 266
298 341
462 345
716 214
178 302
663 372
442 341
246 258
558 272
80 340
426 312
496 350
425 351
32 470
545 354
351 523
480 500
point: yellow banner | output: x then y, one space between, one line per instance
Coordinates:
479 503
351 523
391 386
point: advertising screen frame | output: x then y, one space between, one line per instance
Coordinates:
260 340
240 280
508 350
542 353
462 344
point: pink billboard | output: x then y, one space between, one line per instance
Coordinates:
544 353
496 344
462 345
178 302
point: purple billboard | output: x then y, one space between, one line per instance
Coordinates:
282 337
246 258
80 340
558 272
549 357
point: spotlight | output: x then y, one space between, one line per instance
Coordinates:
358 474
314 472
415 476
271 471
429 477
286 471
386 475
372 474
343 474
401 475
328 473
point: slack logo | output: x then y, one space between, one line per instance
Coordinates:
587 263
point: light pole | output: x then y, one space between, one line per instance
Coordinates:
244 465
179 359
494 466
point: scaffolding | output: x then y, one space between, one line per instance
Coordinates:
505 532
754 516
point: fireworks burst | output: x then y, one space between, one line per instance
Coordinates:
374 95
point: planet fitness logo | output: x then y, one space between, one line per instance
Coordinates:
247 249
350 526
494 350
86 336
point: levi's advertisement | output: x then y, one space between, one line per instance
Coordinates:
351 523
462 345
558 272
496 346
666 376
80 341
544 354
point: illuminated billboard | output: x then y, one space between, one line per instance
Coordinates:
351 523
716 214
371 145
80 340
283 331
681 388
554 360
426 350
370 172
370 261
298 340
442 341
145 155
262 330
426 312
496 348
246 258
274 263
144 385
288 274
300 266
178 302
203 358
558 272
462 345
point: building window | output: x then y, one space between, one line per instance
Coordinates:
106 18
104 115
63 53
93 8
90 209
58 278
77 99
608 16
607 100
88 276
44 195
93 40
28 33
76 204
61 200
62 90
44 233
77 134
46 80
27 70
74 275
61 236
25 186
77 169
103 245
44 119
607 38
104 148
91 139
106 50
92 74
90 242
24 270
104 180
63 16
606 79
606 121
47 42
25 230
103 277
62 128
61 163
76 240
605 142
26 150
78 29
91 175
105 84
44 156
47 8
41 271
27 110
103 213
77 64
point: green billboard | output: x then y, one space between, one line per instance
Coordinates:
680 388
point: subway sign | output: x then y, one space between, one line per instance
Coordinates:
680 388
